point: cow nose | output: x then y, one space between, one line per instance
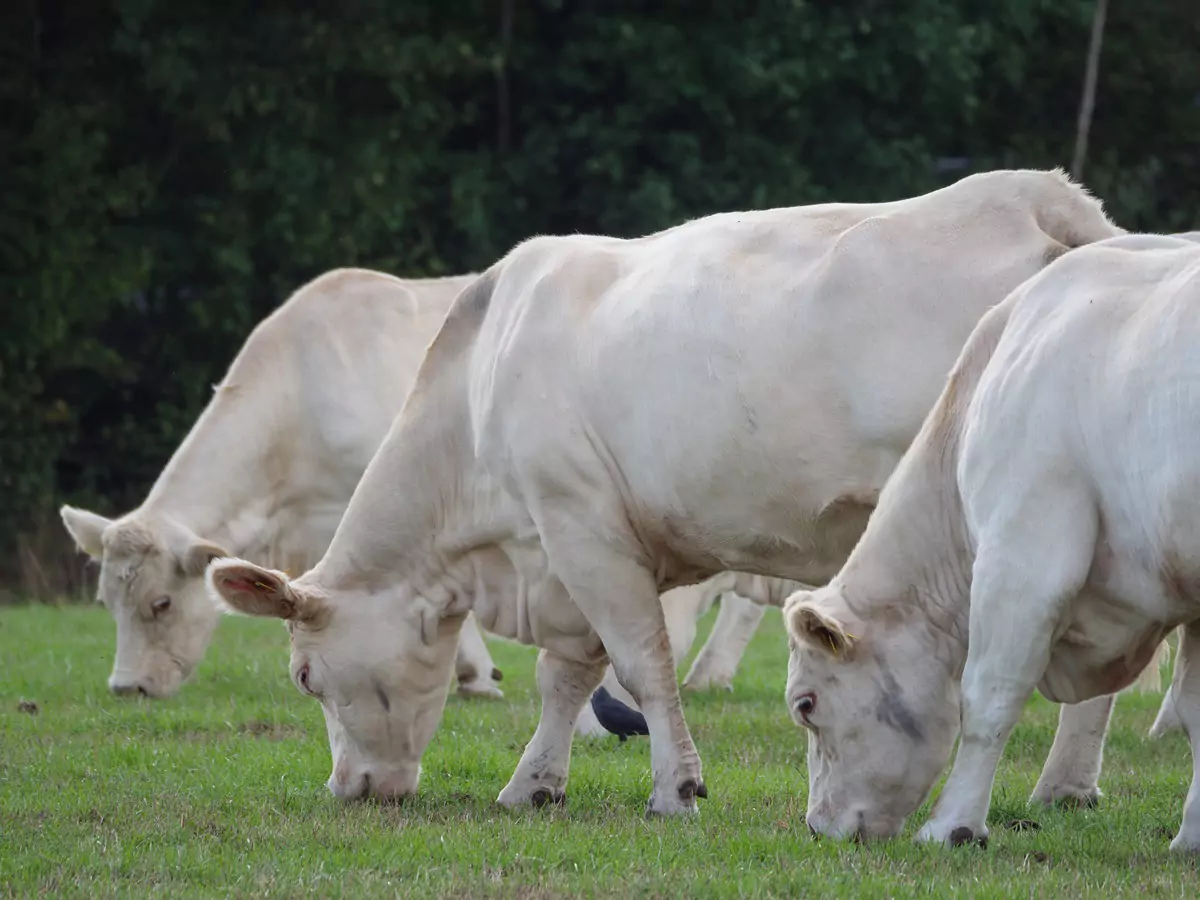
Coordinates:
349 788
128 688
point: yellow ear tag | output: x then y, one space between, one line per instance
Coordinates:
261 586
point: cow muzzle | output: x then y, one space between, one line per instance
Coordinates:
351 785
127 687
856 824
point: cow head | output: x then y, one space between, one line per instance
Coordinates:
379 664
880 705
152 581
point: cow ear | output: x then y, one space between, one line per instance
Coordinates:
808 624
86 528
241 587
197 555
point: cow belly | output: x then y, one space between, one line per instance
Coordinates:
1079 672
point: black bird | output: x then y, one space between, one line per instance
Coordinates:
616 717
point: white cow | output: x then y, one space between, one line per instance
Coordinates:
1041 532
601 419
268 469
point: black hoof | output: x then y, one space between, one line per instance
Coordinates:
497 675
964 835
691 789
544 797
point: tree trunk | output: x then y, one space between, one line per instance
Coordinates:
1088 102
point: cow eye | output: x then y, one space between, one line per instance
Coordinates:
302 679
805 704
161 605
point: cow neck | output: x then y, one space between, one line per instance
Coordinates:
913 562
225 480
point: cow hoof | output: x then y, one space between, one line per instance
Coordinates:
1184 843
520 797
1067 796
481 689
933 833
963 835
676 807
691 789
544 797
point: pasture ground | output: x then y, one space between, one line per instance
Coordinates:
220 792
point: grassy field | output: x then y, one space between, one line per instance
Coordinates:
220 792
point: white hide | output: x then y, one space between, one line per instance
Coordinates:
1040 533
600 420
268 468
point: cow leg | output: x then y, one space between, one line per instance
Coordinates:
717 661
541 775
635 636
1167 719
477 674
620 600
1033 557
1072 771
1185 688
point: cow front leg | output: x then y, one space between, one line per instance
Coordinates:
541 775
1033 557
620 599
477 674
1072 772
717 662
1185 690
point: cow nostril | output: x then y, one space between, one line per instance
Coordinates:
860 832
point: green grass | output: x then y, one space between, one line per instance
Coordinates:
220 792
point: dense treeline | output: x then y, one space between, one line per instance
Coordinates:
172 170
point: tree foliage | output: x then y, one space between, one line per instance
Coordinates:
172 170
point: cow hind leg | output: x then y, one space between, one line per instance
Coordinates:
1071 774
477 674
717 661
1167 719
1014 610
1185 688
541 775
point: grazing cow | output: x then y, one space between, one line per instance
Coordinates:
1041 532
599 420
268 469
